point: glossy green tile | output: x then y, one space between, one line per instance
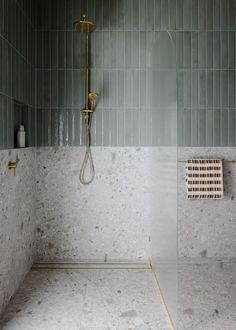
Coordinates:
63 137
231 127
54 127
224 128
165 16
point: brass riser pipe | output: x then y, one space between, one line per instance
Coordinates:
87 73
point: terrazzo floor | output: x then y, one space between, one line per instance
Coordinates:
92 299
207 295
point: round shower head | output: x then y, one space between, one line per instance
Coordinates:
84 25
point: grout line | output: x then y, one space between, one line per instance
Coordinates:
160 294
96 265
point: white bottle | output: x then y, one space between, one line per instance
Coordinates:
21 137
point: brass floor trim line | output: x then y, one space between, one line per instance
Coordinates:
158 288
90 266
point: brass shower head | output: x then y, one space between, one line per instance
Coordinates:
84 25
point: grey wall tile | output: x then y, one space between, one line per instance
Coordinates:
204 36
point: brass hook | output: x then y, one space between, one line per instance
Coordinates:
12 165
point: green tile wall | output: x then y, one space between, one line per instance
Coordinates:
204 35
17 66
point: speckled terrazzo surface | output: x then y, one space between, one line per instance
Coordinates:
207 228
207 295
17 221
87 299
105 220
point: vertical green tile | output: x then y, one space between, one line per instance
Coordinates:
216 89
209 127
61 88
62 49
187 127
187 89
209 87
216 15
232 11
71 127
224 89
231 128
138 22
202 127
150 4
77 56
68 94
194 127
231 58
187 50
69 50
106 50
54 49
157 14
172 14
216 50
224 14
77 131
120 14
209 14
69 14
128 14
46 50
179 23
165 16
224 121
54 127
202 88
106 14
54 88
194 14
224 50
63 138
187 14
217 125
202 50
209 50
232 86
46 88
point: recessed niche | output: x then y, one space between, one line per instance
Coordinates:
20 118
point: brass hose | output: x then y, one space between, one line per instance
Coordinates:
88 159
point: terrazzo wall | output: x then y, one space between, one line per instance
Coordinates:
17 219
106 220
207 228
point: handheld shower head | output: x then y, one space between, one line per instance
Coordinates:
93 96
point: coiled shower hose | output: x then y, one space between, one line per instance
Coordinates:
88 159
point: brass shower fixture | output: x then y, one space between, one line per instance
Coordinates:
86 26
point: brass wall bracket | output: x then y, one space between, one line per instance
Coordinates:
12 166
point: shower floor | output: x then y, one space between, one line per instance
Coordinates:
94 299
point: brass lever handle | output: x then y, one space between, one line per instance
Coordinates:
12 165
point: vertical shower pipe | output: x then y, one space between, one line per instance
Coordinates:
87 74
